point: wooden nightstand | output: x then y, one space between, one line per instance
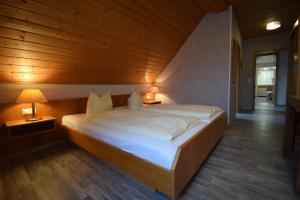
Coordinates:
152 102
21 128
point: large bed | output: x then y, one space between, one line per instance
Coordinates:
165 166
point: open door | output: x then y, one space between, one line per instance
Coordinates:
266 81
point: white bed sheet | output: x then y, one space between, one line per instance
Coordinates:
159 153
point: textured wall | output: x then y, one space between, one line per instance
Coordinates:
282 77
199 72
10 92
250 48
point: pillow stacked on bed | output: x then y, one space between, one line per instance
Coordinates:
98 105
135 101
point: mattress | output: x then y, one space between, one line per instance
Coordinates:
159 153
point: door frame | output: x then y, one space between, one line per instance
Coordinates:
276 53
235 70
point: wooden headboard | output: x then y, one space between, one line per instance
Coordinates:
56 108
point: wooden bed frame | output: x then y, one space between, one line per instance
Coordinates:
189 158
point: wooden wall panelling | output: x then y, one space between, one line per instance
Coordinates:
133 41
57 108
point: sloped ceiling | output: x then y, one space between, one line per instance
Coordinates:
253 15
94 41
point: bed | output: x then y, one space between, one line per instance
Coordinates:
164 166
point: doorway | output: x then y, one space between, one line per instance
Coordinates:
265 81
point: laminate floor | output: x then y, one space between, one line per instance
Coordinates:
246 164
261 103
263 116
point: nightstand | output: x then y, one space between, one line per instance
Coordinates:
152 102
21 128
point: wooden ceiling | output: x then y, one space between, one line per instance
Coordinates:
94 41
252 15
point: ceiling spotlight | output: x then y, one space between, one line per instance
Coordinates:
296 23
273 25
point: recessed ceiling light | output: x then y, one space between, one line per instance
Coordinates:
273 25
296 23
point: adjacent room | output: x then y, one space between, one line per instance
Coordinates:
149 99
265 81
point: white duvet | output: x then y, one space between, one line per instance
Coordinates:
185 110
152 125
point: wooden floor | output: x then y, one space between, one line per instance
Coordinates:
246 164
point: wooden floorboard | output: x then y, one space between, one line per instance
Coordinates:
246 164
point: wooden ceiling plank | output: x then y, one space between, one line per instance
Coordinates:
21 61
21 45
58 43
127 9
213 5
88 60
38 29
98 18
95 42
22 14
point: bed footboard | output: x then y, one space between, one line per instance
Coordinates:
193 153
156 177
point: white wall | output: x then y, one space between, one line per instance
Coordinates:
10 92
199 72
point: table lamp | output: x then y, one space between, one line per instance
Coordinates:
154 90
150 96
32 96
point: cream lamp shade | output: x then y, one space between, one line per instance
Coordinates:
31 96
154 90
150 96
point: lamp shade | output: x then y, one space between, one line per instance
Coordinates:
154 90
31 96
149 96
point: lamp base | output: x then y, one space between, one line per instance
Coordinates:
33 119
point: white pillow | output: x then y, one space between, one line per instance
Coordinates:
98 105
135 101
107 98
